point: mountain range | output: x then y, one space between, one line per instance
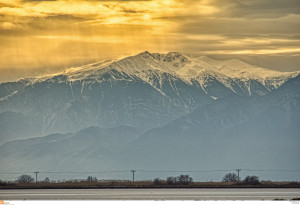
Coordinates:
154 112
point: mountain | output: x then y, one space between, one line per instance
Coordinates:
16 125
152 112
257 133
147 90
10 88
245 132
114 98
89 149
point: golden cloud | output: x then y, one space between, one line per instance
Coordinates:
54 34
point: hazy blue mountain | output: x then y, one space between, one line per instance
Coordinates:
89 149
17 126
235 132
256 133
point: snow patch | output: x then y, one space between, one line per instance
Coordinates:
176 64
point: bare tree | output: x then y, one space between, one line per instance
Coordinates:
230 177
172 180
184 179
253 180
25 178
92 179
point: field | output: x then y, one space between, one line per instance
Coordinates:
83 184
152 194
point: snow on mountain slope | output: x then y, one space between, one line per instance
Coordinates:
235 69
187 68
182 66
239 69
217 78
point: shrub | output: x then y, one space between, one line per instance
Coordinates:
3 183
230 177
157 181
46 180
294 183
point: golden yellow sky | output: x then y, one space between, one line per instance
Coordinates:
39 37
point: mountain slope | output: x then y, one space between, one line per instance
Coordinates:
9 88
236 132
146 90
256 133
17 126
89 149
113 99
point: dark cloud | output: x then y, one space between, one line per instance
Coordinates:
258 8
281 62
125 10
206 46
286 26
242 18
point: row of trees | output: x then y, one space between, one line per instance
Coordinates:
178 180
232 177
25 178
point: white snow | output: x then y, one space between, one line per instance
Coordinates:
146 64
8 96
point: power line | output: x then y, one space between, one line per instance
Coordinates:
227 170
65 172
162 171
17 173
271 170
85 172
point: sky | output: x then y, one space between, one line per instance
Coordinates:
44 36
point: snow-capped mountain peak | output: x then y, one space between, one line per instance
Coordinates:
182 66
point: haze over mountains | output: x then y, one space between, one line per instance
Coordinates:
152 111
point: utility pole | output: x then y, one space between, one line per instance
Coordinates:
133 174
36 176
238 170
